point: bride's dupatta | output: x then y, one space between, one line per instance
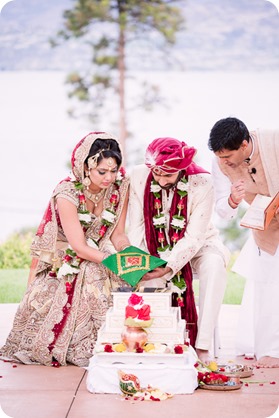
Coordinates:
48 244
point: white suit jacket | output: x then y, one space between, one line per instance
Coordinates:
200 235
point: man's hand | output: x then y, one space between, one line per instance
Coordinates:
238 191
156 273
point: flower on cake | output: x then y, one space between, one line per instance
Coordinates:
137 313
149 347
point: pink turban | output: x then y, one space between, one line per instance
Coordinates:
169 155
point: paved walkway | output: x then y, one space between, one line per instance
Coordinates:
46 392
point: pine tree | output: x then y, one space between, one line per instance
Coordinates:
115 30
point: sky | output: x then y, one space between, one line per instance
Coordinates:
37 135
226 35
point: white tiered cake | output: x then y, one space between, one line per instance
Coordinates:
163 366
167 325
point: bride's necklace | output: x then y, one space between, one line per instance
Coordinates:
95 197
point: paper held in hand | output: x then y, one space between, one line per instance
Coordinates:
260 212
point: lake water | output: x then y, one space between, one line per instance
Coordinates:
37 136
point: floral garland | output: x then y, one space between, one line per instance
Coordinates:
71 262
177 223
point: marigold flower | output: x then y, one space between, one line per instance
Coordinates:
149 347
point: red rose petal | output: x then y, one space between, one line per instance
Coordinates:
273 383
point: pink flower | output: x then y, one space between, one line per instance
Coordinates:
175 237
68 258
144 313
180 204
108 348
82 198
157 204
68 287
152 398
122 171
134 299
180 302
102 230
178 349
161 236
55 363
114 199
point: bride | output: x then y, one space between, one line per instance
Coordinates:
69 289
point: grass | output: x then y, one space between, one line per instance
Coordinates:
13 285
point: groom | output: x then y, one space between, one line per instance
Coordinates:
171 203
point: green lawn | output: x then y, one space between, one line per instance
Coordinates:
234 289
13 284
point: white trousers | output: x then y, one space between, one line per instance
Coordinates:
258 330
212 275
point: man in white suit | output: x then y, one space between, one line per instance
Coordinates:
170 209
246 164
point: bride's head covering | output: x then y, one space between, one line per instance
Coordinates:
107 146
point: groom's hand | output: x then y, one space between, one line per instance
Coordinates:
156 273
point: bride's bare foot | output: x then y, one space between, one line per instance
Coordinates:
203 356
267 362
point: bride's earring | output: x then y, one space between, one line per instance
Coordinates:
86 181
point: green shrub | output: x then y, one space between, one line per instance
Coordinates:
15 251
